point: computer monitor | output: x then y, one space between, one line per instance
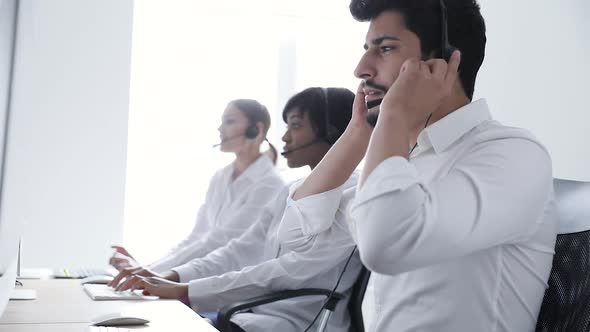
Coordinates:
10 228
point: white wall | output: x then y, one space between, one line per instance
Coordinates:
71 109
537 75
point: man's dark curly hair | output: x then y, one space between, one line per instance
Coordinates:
466 28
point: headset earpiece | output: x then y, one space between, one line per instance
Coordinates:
446 48
332 133
252 132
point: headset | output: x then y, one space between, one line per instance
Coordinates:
446 51
332 133
446 48
251 133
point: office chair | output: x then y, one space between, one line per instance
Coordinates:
566 304
357 323
354 304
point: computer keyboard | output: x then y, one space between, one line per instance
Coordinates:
106 293
83 273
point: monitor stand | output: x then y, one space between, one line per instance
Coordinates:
23 294
19 293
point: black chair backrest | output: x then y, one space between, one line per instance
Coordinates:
566 305
356 301
569 286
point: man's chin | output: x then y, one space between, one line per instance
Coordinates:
373 111
371 104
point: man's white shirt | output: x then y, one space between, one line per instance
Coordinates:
230 208
461 237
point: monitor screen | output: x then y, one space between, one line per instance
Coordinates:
9 227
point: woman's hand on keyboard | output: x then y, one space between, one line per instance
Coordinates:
128 276
163 288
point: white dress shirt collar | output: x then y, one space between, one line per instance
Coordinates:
443 133
255 171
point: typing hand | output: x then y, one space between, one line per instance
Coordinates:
128 276
121 250
162 288
122 259
420 89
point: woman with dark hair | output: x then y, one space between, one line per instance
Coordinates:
325 113
237 193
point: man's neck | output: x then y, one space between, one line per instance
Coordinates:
449 105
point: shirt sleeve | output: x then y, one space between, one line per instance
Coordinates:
494 195
310 215
233 225
242 251
314 256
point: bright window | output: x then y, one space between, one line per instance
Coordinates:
189 58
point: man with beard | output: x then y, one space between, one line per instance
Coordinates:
453 213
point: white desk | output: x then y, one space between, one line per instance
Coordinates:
62 305
72 327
